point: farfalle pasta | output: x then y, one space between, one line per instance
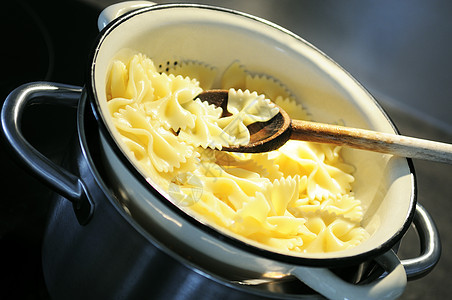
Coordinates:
295 199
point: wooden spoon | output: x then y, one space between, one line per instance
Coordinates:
270 135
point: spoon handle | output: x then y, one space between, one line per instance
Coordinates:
370 140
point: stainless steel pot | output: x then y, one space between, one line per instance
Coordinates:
93 249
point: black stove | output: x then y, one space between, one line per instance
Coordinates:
41 40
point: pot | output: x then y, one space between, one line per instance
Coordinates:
155 228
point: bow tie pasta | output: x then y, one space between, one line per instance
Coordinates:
297 198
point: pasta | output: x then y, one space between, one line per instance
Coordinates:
295 199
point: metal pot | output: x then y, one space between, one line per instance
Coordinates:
160 232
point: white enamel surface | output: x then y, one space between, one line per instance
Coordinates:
383 183
116 10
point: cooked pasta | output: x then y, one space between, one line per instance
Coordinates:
298 198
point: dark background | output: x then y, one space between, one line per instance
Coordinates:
399 50
41 40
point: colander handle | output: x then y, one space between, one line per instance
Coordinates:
116 10
392 283
56 177
331 286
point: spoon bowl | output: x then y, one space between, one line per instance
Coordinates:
272 134
264 136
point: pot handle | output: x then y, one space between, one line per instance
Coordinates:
430 245
65 183
116 10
